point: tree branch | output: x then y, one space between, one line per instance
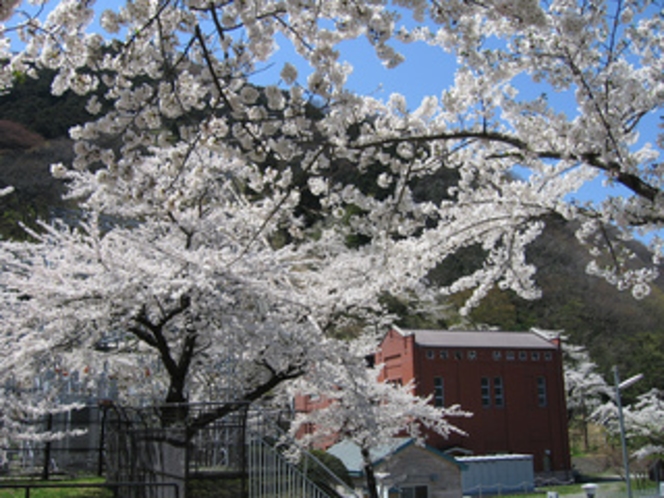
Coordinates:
152 333
292 372
633 182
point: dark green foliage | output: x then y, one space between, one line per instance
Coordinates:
30 103
412 315
219 487
14 213
37 195
320 477
334 464
647 357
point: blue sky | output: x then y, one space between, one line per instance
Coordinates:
426 71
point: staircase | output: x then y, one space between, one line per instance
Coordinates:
273 475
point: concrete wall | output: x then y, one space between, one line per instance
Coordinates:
415 466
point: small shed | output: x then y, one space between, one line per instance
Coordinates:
497 474
404 469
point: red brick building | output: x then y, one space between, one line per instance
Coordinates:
512 382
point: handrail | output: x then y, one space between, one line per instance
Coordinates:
278 465
285 438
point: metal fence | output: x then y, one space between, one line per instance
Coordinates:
73 454
239 455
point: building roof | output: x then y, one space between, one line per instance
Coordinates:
349 453
494 458
480 339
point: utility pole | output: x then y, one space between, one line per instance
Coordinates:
621 420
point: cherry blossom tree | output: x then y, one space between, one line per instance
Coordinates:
585 387
230 233
357 408
644 421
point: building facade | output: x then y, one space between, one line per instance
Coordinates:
512 382
404 469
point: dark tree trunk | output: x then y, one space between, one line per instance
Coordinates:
175 410
369 474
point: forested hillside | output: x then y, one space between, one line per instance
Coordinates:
616 328
33 135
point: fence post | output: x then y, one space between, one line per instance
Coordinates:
103 406
47 450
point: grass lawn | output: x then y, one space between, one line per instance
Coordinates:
566 489
57 492
605 489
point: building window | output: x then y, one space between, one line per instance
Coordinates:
498 393
509 355
438 392
497 355
458 355
415 492
443 354
430 354
535 356
548 356
472 354
486 392
523 356
541 392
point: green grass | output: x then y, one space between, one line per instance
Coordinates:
214 488
78 492
605 489
563 489
538 493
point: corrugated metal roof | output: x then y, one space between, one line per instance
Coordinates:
349 453
480 339
494 458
